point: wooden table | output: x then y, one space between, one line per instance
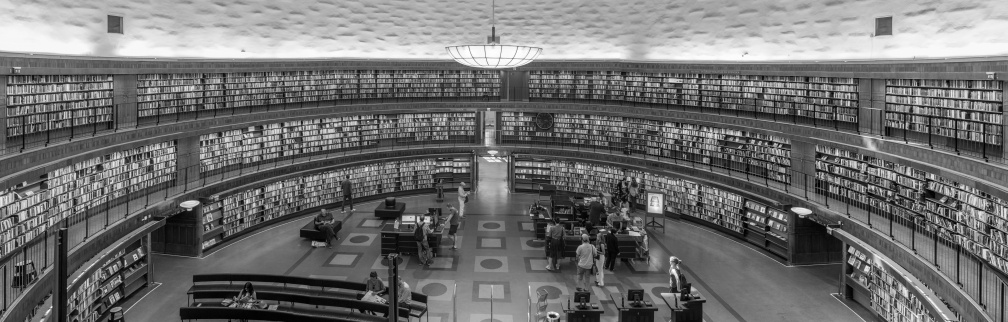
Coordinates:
575 314
630 313
401 240
685 311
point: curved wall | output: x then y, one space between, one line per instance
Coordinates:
987 176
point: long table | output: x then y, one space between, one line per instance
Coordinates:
685 311
401 240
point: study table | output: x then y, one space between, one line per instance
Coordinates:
685 311
576 314
401 240
630 313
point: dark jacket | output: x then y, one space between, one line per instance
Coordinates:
612 244
595 211
346 187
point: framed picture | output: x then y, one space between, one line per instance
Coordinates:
656 203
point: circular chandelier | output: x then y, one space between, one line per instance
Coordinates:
493 54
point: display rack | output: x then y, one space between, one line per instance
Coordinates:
957 213
828 101
768 227
222 151
48 105
174 95
29 208
235 213
758 155
965 115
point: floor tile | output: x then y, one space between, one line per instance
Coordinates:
371 223
490 225
527 226
480 317
436 290
378 264
536 265
343 259
531 244
500 291
359 239
491 264
490 243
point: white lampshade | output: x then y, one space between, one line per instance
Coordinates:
493 55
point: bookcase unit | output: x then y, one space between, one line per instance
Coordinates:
876 283
828 101
964 115
27 209
758 155
957 213
168 96
722 210
232 214
112 277
226 150
529 173
40 106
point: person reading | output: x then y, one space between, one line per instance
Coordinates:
324 223
375 285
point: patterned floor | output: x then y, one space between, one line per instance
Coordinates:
499 264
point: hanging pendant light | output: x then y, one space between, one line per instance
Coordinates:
493 54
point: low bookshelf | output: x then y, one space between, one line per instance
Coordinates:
233 213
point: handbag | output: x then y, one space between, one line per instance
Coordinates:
466 199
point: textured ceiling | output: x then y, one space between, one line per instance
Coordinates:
566 29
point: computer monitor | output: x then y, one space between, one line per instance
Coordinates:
582 298
635 296
685 291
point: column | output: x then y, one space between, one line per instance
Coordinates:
124 101
871 103
188 162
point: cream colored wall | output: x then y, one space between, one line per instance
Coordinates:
567 29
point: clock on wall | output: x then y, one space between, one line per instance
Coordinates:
544 121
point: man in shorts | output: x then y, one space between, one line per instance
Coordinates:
453 221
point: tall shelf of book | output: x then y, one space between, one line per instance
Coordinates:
963 115
231 214
757 155
880 285
228 150
955 213
166 97
81 189
719 209
43 107
820 101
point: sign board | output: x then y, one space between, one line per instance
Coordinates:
655 203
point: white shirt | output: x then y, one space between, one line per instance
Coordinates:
462 193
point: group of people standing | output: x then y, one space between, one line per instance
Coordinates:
424 229
626 191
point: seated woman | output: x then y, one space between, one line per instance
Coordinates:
245 299
376 286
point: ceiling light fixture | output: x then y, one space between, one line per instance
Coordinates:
493 54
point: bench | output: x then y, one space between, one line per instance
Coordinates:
318 305
309 231
221 286
390 213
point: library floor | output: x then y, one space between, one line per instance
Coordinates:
499 256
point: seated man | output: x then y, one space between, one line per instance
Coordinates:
323 223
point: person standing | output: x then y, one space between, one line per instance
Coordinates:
347 188
595 211
600 246
324 222
633 191
585 260
555 244
463 196
612 250
423 248
453 223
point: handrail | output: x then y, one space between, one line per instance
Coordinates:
454 302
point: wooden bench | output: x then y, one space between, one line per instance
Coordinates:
306 304
228 313
309 231
221 286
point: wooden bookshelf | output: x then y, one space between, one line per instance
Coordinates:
223 151
31 207
959 214
48 105
530 173
828 101
108 283
233 214
965 115
758 155
167 96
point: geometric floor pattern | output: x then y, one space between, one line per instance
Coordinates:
499 262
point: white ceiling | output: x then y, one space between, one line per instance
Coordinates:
566 29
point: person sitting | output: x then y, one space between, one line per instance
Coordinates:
403 294
375 285
324 223
615 221
247 294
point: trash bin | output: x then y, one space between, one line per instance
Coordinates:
116 315
553 316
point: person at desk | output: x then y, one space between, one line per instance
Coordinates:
595 211
423 247
323 223
453 223
616 220
554 244
375 285
677 279
612 250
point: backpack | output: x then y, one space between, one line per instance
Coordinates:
418 233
